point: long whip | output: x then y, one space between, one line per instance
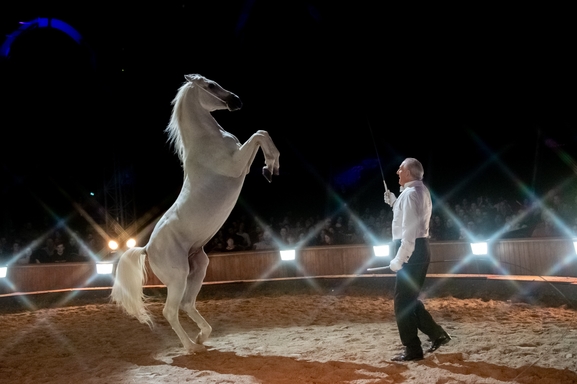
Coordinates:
378 157
384 182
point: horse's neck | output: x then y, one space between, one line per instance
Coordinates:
196 123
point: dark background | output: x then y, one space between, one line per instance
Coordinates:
483 96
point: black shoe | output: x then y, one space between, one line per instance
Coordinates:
441 340
408 356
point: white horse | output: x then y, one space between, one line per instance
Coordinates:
215 164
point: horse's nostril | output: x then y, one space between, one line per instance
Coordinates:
235 104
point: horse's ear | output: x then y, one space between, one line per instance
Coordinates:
191 78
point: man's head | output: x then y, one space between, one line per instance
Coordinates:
60 248
410 169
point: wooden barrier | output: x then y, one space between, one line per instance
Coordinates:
52 276
543 257
539 257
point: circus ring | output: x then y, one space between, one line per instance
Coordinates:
321 318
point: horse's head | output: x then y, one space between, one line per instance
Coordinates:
212 96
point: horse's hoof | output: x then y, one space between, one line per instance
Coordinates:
196 348
266 173
202 337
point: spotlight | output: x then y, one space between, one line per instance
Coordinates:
381 250
130 243
113 245
287 254
575 245
104 268
480 248
3 272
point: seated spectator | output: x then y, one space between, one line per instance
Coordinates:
20 255
4 251
231 245
265 241
61 255
352 233
73 249
246 243
327 238
284 237
4 248
546 227
436 227
451 231
44 255
214 245
231 233
87 247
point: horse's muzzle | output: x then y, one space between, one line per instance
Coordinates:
233 103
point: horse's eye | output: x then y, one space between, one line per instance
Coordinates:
210 86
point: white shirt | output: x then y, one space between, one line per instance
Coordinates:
411 215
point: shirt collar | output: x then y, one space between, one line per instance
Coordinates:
409 184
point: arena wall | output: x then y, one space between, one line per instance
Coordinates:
524 257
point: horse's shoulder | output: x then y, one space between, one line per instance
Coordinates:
229 136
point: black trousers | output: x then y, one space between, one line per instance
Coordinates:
410 312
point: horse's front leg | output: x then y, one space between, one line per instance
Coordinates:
271 154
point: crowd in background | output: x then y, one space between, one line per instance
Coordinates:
480 218
466 220
30 245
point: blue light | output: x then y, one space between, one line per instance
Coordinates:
41 22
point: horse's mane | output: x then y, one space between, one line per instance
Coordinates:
173 128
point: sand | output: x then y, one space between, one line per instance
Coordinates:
290 338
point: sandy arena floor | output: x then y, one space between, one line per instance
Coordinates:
290 338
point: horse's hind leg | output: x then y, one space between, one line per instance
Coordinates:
175 290
198 263
174 273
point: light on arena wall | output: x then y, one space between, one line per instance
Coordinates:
3 272
382 250
480 248
287 254
113 245
104 268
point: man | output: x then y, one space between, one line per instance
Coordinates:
61 254
45 254
411 215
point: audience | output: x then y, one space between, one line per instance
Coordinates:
464 220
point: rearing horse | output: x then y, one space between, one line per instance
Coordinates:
215 164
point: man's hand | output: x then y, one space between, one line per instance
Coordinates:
390 198
396 264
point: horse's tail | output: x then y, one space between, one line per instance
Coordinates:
127 289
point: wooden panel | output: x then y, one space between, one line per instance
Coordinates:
245 266
540 257
450 257
320 261
31 278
